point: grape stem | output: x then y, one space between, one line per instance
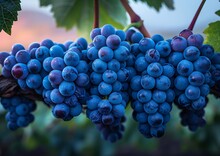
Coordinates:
192 24
10 88
96 14
135 18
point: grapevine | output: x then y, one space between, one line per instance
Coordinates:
116 71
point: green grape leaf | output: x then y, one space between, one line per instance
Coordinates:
213 34
79 14
217 12
8 14
158 3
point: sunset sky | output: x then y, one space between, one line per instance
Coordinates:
35 24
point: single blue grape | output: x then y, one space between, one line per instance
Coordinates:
154 69
108 119
46 83
181 82
92 53
67 88
22 56
22 109
82 67
95 78
71 58
109 76
69 73
3 56
55 77
34 66
170 94
202 64
144 95
157 131
56 97
33 45
168 70
118 111
195 40
47 43
32 53
34 81
185 68
115 98
175 58
159 96
104 107
113 41
95 32
155 120
141 64
104 88
107 30
56 51
192 92
163 82
42 53
157 38
99 66
82 80
191 53
19 71
204 90
141 117
146 44
105 54
16 47
136 37
150 107
163 47
200 103
152 55
147 82
92 102
123 75
121 34
114 65
61 111
165 108
136 83
9 62
196 78
47 64
116 86
178 43
121 53
57 63
6 73
207 50
99 41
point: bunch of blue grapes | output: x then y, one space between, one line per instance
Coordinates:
107 115
58 72
193 78
109 76
151 87
18 111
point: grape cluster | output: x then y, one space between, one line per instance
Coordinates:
151 93
193 78
115 69
109 76
18 111
55 71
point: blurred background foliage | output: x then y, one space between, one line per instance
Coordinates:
50 136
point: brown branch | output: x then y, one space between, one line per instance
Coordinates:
96 14
134 17
10 88
192 24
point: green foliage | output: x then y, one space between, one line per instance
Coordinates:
75 13
213 34
8 14
158 4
